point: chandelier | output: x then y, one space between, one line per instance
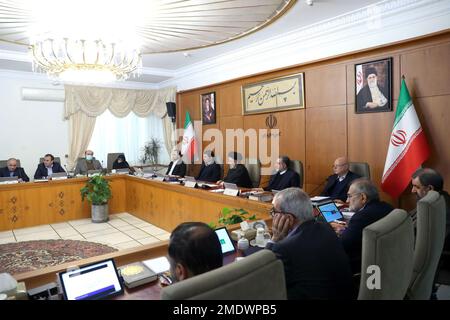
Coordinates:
77 59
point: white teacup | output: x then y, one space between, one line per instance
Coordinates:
261 237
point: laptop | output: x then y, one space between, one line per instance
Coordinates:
225 241
9 179
95 281
329 211
94 172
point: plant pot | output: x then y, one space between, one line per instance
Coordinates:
99 213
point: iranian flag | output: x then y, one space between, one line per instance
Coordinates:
188 147
408 147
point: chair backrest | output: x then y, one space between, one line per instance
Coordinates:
244 279
110 160
430 235
360 168
297 166
4 163
57 159
389 244
254 171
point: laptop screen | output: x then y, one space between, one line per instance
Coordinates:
329 211
95 281
225 240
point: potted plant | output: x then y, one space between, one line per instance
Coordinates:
229 216
151 151
97 191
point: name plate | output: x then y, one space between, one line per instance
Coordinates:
158 178
59 178
190 184
231 192
9 182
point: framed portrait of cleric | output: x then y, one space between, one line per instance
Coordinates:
373 86
208 104
274 95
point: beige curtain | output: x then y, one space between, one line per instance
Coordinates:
81 127
169 134
83 104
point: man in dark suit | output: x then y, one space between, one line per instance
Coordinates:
12 170
48 167
285 177
315 263
338 183
237 173
365 202
210 171
176 167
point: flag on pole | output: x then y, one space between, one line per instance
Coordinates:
188 147
408 147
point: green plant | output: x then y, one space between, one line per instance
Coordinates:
97 190
151 151
232 216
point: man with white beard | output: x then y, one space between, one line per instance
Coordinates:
372 95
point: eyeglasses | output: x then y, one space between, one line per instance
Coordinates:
274 211
349 195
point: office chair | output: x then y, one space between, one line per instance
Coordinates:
110 160
4 163
297 166
254 171
360 168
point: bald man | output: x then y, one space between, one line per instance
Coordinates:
12 170
338 183
87 163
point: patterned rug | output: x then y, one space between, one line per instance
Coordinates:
33 255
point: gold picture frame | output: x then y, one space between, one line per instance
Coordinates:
284 93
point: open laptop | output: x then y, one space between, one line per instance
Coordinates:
9 179
95 281
94 172
225 241
329 211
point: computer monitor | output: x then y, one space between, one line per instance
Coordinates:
94 281
225 240
329 211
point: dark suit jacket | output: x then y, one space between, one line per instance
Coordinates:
239 176
351 238
180 169
19 172
41 171
279 182
315 264
338 190
211 173
365 96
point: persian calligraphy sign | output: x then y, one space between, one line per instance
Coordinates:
274 95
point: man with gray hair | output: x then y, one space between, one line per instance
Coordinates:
315 263
13 170
365 202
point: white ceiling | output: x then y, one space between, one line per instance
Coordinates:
163 66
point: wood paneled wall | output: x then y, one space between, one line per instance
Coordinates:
328 126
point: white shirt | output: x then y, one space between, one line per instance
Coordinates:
342 177
283 172
173 166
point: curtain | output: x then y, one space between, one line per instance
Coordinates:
85 103
127 135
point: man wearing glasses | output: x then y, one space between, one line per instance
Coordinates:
339 182
315 263
365 202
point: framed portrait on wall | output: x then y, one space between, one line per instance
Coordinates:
208 104
373 86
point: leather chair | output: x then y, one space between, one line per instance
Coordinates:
4 163
297 166
110 160
389 244
57 159
361 168
254 171
430 235
259 276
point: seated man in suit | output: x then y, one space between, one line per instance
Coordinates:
121 163
237 173
48 167
285 177
176 167
87 163
210 171
365 202
194 248
338 183
315 263
12 170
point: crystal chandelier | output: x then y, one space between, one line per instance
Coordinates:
77 59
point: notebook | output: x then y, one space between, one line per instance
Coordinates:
329 211
94 281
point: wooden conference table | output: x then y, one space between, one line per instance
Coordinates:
160 203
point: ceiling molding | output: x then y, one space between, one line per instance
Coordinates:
383 23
